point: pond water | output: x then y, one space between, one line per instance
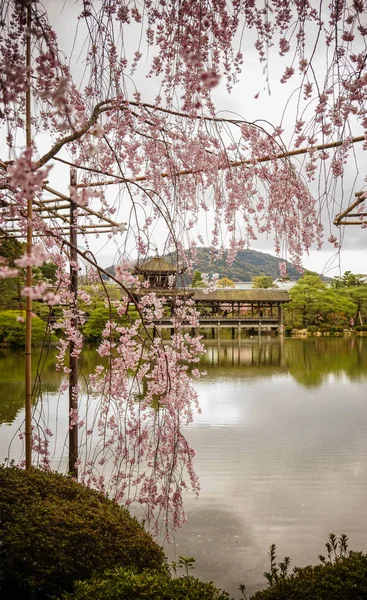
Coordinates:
281 452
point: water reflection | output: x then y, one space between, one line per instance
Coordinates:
281 451
44 376
46 379
309 361
281 454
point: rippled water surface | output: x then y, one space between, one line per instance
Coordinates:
281 452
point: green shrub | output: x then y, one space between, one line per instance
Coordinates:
96 323
55 531
12 331
336 329
312 328
41 309
324 328
125 584
98 318
360 328
288 330
341 576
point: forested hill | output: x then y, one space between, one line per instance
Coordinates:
247 264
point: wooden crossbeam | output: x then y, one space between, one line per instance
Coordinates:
346 217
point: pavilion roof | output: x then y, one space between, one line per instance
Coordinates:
156 265
235 295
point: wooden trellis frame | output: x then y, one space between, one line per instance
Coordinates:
49 210
348 217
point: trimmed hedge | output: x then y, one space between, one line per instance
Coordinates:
54 531
125 584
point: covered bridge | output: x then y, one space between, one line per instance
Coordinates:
237 303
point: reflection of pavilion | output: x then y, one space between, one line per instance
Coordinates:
230 308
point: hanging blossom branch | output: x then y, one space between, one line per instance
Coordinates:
145 395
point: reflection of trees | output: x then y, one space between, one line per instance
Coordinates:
12 380
311 361
44 375
308 361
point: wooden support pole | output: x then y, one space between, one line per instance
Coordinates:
73 360
28 323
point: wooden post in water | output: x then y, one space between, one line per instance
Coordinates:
28 320
73 360
280 313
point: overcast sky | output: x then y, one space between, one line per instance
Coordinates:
269 107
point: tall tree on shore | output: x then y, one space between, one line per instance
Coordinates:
263 281
317 303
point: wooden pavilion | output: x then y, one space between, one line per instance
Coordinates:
160 274
259 309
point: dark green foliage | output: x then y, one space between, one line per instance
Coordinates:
247 264
348 280
54 531
10 297
96 323
360 328
312 328
12 332
98 317
48 272
197 280
263 281
313 301
324 328
10 288
127 584
342 575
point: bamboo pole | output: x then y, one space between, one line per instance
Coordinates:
351 223
84 208
347 212
73 360
19 235
28 339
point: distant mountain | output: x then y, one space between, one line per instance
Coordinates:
247 264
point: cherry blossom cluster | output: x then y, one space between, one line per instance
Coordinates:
145 396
